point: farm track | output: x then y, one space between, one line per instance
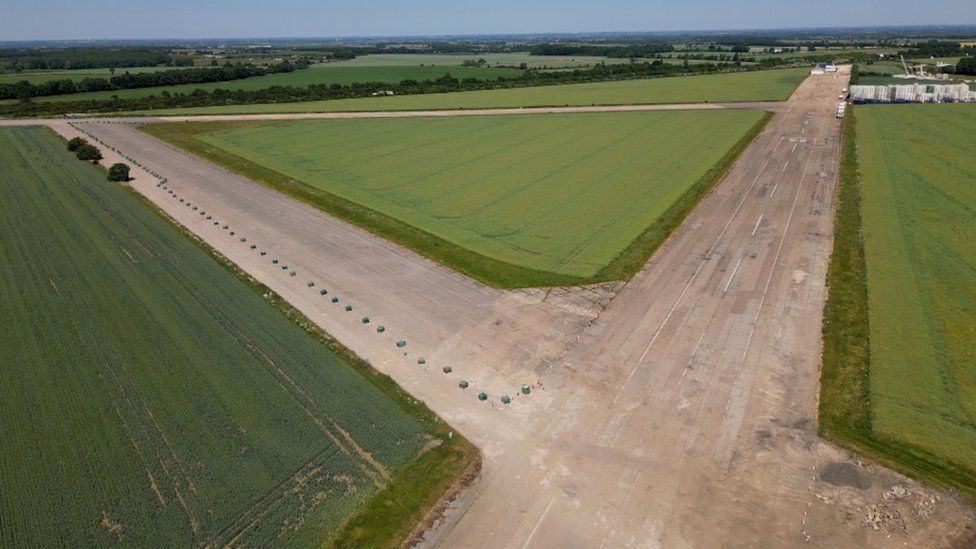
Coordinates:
681 412
759 105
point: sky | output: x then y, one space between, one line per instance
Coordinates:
118 19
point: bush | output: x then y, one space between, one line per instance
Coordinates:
118 172
88 152
966 65
75 142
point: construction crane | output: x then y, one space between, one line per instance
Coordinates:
904 64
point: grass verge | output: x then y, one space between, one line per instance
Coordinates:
484 269
391 515
845 399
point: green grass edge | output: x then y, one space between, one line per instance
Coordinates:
390 517
845 399
484 269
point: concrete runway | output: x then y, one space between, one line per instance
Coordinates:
675 410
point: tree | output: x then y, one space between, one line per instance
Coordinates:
75 142
22 90
118 172
966 65
89 152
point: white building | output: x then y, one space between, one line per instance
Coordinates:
913 93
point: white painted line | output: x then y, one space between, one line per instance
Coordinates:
732 276
695 352
745 351
698 270
771 193
698 346
537 524
690 361
758 221
794 147
785 165
779 250
694 275
633 485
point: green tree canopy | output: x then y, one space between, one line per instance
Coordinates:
118 172
76 142
966 65
88 151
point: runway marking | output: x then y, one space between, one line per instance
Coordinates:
746 350
695 274
537 524
732 276
690 361
779 250
758 221
774 189
697 347
785 165
794 146
633 485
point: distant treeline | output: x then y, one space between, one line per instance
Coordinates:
936 48
746 40
636 50
90 58
26 90
319 92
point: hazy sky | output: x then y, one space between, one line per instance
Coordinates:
60 19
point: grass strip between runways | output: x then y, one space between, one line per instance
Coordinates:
845 399
489 271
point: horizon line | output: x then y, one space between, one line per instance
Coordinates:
417 37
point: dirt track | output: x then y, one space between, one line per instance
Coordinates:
767 105
679 413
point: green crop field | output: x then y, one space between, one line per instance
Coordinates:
151 398
561 197
918 347
322 74
771 85
882 67
513 59
39 76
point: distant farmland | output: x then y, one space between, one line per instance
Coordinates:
38 76
323 74
151 398
560 198
511 59
770 85
918 209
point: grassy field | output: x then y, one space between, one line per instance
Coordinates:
882 67
934 60
37 77
322 74
773 85
900 345
153 397
532 200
